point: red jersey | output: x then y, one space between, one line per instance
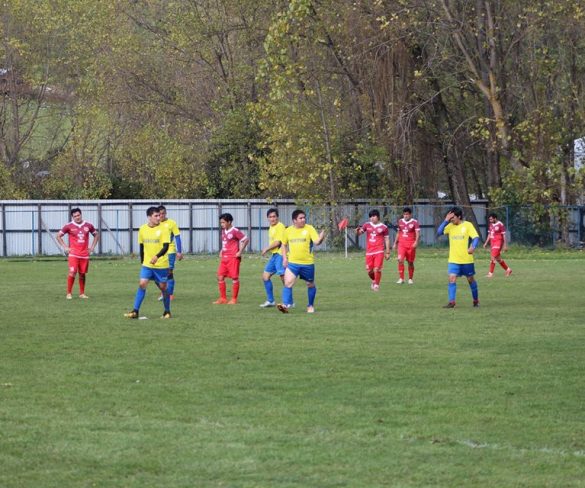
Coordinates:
78 238
375 237
230 241
496 233
407 231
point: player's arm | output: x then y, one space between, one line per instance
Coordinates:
161 253
96 239
416 239
62 242
487 240
284 255
141 253
445 223
396 239
474 242
179 245
320 239
243 244
359 230
273 245
388 251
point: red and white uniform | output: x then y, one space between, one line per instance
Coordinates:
376 235
229 265
407 234
496 231
78 244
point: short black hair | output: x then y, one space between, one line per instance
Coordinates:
151 210
457 211
298 212
374 213
272 211
227 217
494 215
75 210
162 207
407 210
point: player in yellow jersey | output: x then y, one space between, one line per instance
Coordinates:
175 249
463 240
274 265
154 240
298 259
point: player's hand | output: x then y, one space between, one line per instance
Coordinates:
239 254
387 255
470 250
358 231
179 256
322 235
414 244
154 259
449 216
264 251
66 249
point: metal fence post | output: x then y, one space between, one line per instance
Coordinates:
250 226
40 227
100 249
190 227
131 228
4 243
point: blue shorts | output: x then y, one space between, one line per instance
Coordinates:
159 275
274 265
172 258
303 271
461 269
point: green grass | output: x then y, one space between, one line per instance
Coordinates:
373 390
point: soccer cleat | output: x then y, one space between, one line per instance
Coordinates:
68 296
476 303
375 287
508 271
310 309
400 281
410 281
268 304
166 315
220 301
282 307
233 301
490 275
83 295
131 315
449 305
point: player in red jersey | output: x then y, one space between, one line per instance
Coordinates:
377 246
234 241
78 249
497 238
406 240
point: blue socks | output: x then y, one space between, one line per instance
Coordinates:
312 292
287 296
140 294
170 287
452 291
474 291
269 290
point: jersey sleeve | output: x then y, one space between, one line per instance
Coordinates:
472 232
416 226
165 236
64 230
386 231
92 229
448 228
240 235
140 236
175 229
313 234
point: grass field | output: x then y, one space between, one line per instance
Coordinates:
373 390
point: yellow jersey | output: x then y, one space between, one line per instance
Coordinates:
276 233
173 228
300 244
460 237
153 238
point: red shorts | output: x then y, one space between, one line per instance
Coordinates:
78 265
496 250
406 253
229 267
375 261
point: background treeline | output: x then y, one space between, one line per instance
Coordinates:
325 100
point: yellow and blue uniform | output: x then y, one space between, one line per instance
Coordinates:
300 244
274 264
175 232
460 239
153 240
276 233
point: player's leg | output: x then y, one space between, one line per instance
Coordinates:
146 274
269 270
162 276
454 272
222 272
171 278
400 258
235 276
474 290
411 256
370 270
307 273
503 264
378 265
494 254
83 269
72 264
290 277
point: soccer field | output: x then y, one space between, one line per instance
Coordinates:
373 390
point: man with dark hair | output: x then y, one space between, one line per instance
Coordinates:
407 238
234 241
175 249
463 240
298 259
154 240
377 247
78 250
274 265
497 238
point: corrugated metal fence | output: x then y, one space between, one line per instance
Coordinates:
29 227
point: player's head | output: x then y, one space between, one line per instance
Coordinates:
407 213
162 210
272 215
492 218
374 215
76 215
153 216
457 214
299 218
225 220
